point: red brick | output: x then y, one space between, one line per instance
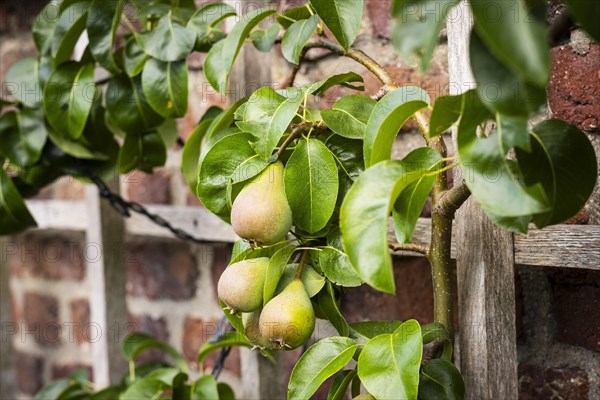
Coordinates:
552 383
158 270
195 333
155 327
150 188
574 89
577 315
80 316
379 12
29 371
47 255
60 371
40 313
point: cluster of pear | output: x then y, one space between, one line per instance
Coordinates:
261 214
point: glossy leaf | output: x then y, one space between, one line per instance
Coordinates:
275 270
446 112
128 107
313 281
217 170
340 79
516 38
136 343
512 132
169 41
23 83
441 380
348 154
67 30
134 57
296 36
68 97
488 175
205 24
294 14
165 86
416 29
168 132
229 339
349 115
328 307
311 184
337 268
225 391
389 364
563 160
142 151
387 117
267 116
44 26
190 155
364 331
221 56
364 217
22 136
319 362
205 388
499 88
264 39
152 385
339 387
341 17
586 14
103 14
409 204
14 216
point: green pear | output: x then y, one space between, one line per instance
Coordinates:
241 284
261 213
251 324
288 320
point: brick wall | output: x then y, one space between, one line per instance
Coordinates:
171 284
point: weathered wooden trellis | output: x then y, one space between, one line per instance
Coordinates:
485 256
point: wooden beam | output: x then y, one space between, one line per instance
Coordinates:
8 326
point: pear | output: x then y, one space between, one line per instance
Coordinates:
251 324
288 320
241 284
261 213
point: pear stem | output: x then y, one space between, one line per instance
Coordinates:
301 264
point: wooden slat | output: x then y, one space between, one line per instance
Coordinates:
485 268
59 214
7 368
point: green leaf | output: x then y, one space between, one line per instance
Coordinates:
142 151
205 24
319 362
446 112
275 270
44 26
234 319
267 116
128 106
340 384
437 331
563 160
168 132
294 14
218 169
22 136
223 120
417 27
134 57
103 14
409 204
313 281
514 37
190 156
169 41
136 343
513 132
152 385
441 380
364 331
14 216
349 115
68 97
205 388
165 86
349 155
340 79
221 56
23 83
67 30
296 36
499 88
229 339
388 365
341 17
337 268
225 391
364 217
328 307
490 177
586 14
387 117
311 184
264 39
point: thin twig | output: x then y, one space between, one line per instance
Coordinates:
451 200
290 80
421 248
